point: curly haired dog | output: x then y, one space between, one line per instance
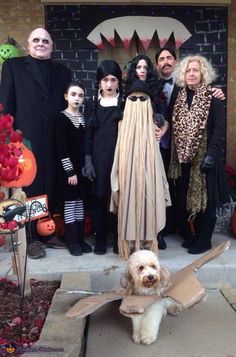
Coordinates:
145 276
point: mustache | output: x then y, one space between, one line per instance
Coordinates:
167 65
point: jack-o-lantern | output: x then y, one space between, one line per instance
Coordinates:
8 50
26 168
45 226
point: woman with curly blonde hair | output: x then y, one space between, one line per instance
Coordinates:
196 153
208 74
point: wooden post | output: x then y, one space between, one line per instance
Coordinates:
20 259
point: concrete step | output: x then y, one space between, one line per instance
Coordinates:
106 270
207 330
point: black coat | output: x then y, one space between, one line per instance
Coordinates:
100 143
165 152
217 187
34 107
171 104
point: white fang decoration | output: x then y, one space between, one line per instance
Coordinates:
144 26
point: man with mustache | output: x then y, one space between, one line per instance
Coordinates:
166 61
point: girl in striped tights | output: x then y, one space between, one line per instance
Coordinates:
70 148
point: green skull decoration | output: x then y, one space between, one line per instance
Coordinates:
8 50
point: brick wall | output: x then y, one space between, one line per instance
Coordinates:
18 18
63 22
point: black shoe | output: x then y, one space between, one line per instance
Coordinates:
198 248
188 243
75 249
100 249
35 250
85 247
161 242
115 249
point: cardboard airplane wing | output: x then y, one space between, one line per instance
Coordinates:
88 305
185 287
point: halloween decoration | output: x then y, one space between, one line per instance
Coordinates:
17 162
8 50
9 208
126 26
184 288
25 167
46 226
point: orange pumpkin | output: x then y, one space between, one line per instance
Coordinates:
45 226
26 168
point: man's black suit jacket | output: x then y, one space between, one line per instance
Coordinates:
34 108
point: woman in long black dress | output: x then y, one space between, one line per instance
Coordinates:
196 153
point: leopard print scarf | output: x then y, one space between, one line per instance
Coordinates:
189 124
189 143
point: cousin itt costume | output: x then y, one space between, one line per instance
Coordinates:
139 187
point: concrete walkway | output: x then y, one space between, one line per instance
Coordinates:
207 330
107 270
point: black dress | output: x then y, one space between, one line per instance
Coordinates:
70 144
101 137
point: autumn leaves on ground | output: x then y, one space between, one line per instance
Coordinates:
23 329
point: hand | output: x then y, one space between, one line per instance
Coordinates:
159 119
88 170
218 93
73 180
207 164
158 133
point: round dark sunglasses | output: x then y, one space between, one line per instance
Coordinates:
133 98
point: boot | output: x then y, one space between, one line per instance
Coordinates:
184 229
72 239
101 226
101 240
161 242
191 235
84 246
204 231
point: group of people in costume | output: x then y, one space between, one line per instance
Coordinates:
140 151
